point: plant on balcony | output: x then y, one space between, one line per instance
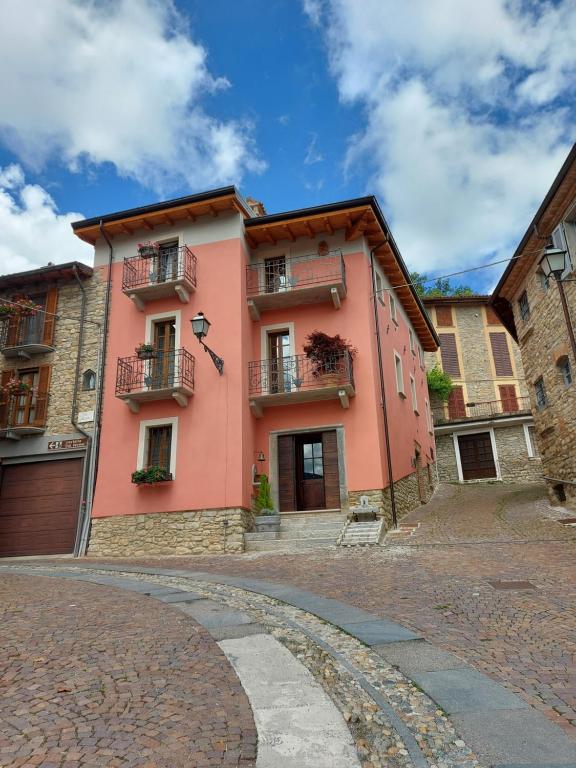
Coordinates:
14 387
8 310
327 355
25 307
145 351
148 250
151 475
439 384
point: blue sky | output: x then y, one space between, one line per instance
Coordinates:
456 116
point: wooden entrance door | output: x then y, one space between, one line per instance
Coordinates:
310 493
163 363
279 361
476 456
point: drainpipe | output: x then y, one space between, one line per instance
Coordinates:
383 392
95 442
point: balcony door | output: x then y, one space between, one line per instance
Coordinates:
275 274
163 365
279 362
168 261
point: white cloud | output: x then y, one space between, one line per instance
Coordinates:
313 155
32 231
116 82
465 118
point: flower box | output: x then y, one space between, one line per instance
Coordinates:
151 476
148 250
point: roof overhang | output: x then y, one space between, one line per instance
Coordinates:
168 212
476 299
46 274
360 217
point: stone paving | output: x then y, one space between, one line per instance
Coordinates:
89 680
438 583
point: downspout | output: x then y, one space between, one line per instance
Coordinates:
102 346
383 392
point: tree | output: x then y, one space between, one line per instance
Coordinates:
440 287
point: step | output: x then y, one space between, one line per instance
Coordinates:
363 532
316 523
280 544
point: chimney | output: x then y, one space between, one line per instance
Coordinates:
256 206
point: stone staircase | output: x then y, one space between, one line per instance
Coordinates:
361 532
298 531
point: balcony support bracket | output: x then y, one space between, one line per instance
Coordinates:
134 405
180 398
182 293
256 409
254 311
10 435
344 399
335 297
138 303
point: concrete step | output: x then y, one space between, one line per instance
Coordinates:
365 532
315 522
290 544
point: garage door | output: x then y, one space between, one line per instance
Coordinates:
476 456
39 507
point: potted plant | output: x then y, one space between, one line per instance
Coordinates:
145 351
14 387
148 250
7 310
25 307
328 355
267 519
150 476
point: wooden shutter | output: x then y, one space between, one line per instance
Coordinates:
49 317
331 471
12 332
449 353
44 372
444 316
286 473
501 355
491 317
5 377
508 398
456 405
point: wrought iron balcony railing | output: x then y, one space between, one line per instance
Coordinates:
24 413
25 335
287 281
166 375
170 270
486 410
300 379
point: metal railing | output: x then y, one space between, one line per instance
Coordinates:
297 373
281 274
485 410
19 330
25 410
166 370
169 264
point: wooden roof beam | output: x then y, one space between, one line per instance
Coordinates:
213 211
147 224
328 225
250 240
309 230
126 229
190 214
168 220
356 228
291 235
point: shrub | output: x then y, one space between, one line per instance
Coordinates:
439 383
264 503
326 352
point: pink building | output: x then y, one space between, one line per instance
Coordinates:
315 424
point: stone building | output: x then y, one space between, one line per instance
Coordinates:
49 342
485 430
530 307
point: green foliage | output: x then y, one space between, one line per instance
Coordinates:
439 383
264 497
440 287
150 475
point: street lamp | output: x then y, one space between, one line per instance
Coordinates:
200 328
553 262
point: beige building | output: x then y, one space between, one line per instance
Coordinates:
485 431
530 306
49 339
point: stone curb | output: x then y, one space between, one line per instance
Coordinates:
501 728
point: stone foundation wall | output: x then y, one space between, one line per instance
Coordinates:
170 533
406 494
446 459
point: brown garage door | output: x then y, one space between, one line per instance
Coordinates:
476 456
39 507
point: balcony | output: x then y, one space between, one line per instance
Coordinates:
166 376
287 282
298 379
22 336
23 414
492 409
168 272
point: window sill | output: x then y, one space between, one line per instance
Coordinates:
402 395
394 321
416 411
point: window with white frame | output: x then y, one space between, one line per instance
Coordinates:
379 286
413 393
157 444
559 241
420 356
393 312
531 445
411 335
429 417
399 374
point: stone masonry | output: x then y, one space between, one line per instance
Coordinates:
200 532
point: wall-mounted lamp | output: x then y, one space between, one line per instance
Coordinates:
200 328
261 457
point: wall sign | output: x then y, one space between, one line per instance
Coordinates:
66 445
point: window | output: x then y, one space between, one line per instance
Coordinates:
159 446
544 281
379 287
566 370
312 460
559 241
524 306
444 316
420 356
530 434
501 354
449 354
275 274
88 380
456 404
540 390
413 393
399 374
508 399
393 314
411 334
429 417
